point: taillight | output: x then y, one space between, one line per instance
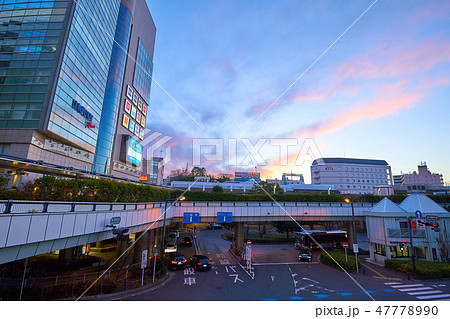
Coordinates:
184 261
209 263
174 262
199 264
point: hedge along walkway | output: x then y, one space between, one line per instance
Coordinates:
339 257
424 269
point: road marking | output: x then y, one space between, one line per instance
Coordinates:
321 296
292 263
380 275
189 281
415 289
233 268
388 290
407 286
424 292
296 298
316 282
367 292
189 271
345 293
217 272
433 296
273 277
236 278
392 283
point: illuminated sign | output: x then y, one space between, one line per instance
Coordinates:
133 112
134 152
138 117
140 104
141 134
130 92
144 109
135 99
82 110
143 121
126 121
144 178
131 127
136 130
246 175
127 106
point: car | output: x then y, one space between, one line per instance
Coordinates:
305 254
200 262
171 247
187 241
177 261
215 226
175 232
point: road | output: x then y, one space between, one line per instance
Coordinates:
279 276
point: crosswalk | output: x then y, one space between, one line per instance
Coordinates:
420 291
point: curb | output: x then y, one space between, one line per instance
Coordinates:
129 293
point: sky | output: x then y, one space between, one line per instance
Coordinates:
275 84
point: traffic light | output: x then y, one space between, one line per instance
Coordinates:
436 227
414 228
121 233
402 245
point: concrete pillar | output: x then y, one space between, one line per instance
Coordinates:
151 241
122 246
350 235
140 245
66 256
239 234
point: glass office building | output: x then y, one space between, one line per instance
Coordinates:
65 71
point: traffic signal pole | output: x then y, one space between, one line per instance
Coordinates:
412 248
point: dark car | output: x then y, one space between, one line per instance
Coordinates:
187 241
200 262
215 226
305 254
177 261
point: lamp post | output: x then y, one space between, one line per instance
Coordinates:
355 237
181 198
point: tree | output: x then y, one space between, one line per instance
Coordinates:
217 189
286 227
197 171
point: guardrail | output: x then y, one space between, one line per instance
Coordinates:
404 233
21 206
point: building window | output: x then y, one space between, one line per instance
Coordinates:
379 249
396 252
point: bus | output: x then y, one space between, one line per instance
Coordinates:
328 239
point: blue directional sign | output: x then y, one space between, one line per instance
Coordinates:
224 217
419 214
189 218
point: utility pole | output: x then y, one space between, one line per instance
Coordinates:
412 248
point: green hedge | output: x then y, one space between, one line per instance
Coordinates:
424 269
85 190
339 257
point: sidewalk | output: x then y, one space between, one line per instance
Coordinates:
128 293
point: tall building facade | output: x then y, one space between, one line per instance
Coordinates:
352 175
65 70
422 180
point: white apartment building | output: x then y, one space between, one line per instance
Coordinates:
352 175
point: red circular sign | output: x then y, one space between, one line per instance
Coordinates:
249 242
345 245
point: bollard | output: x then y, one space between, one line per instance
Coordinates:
73 290
364 271
407 275
101 289
125 286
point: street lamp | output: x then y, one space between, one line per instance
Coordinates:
355 238
181 198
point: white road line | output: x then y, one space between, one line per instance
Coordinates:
424 292
408 286
392 283
415 289
292 263
434 296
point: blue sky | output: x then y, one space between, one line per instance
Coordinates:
380 92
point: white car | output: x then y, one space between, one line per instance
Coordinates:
170 248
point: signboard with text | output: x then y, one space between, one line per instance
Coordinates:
224 217
189 218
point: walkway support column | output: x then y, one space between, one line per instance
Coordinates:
140 245
350 235
122 246
66 256
239 234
